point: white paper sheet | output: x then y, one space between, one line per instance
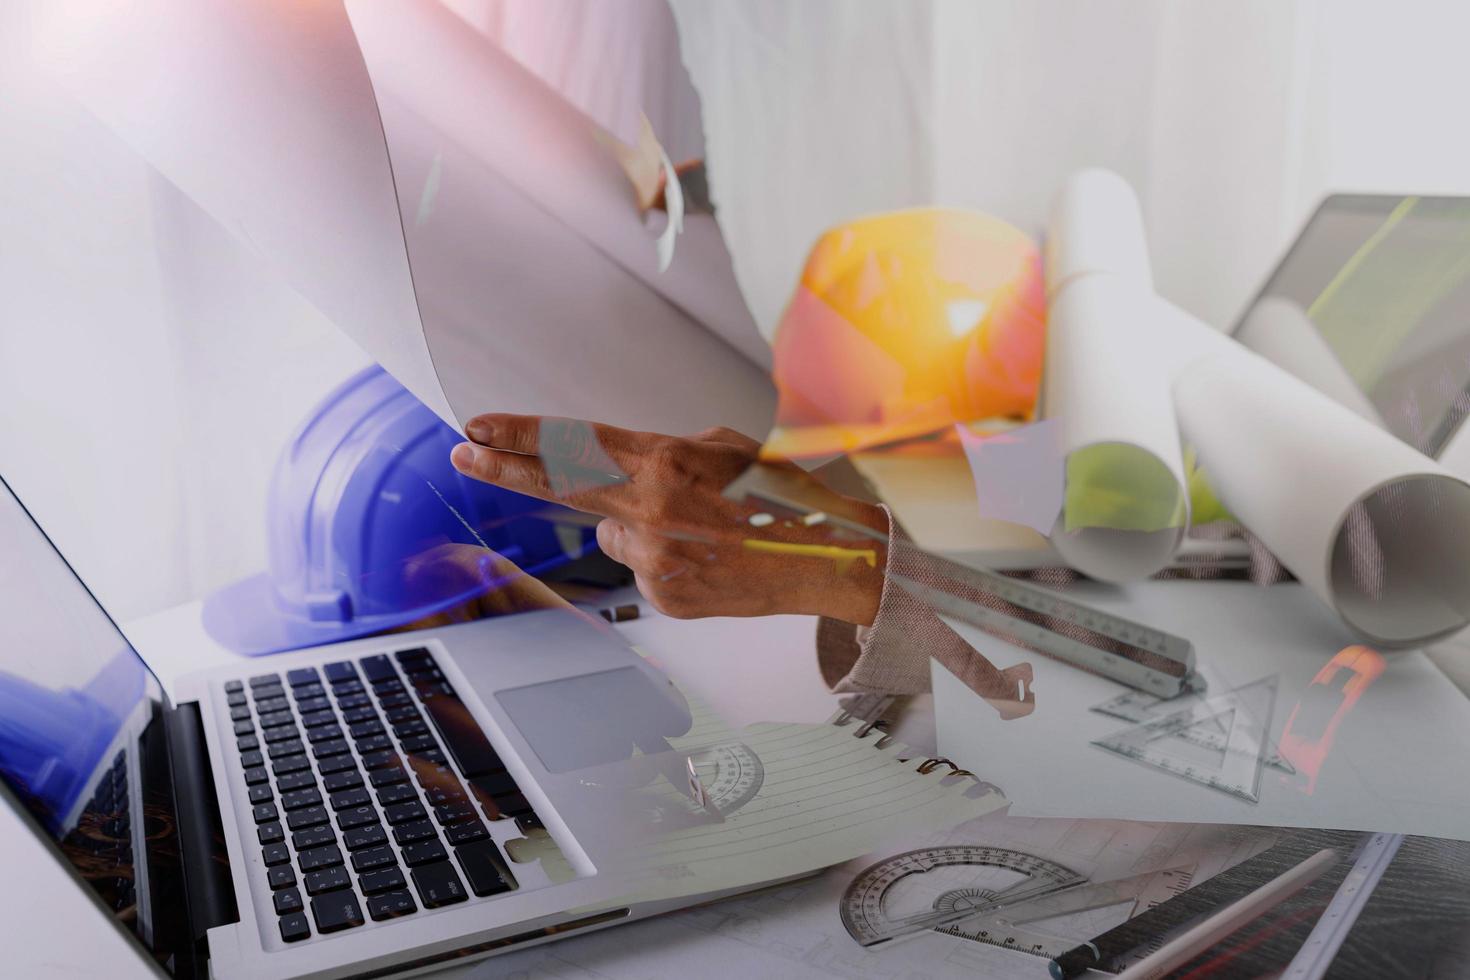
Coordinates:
1396 759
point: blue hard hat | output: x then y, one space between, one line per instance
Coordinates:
362 489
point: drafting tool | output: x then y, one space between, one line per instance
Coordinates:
935 886
1138 707
724 778
1317 952
1243 715
1151 930
1129 652
1015 926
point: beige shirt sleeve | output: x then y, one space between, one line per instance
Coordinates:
892 656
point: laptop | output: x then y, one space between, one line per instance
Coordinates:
369 808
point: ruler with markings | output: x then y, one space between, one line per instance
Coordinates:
1316 954
1020 612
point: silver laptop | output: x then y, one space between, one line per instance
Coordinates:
373 808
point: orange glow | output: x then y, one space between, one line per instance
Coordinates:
904 324
1307 748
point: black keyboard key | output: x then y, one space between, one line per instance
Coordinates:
294 927
380 760
483 868
326 880
261 680
444 794
356 715
371 860
438 884
256 776
350 798
514 805
268 692
369 836
261 794
312 704
282 876
233 686
252 758
387 777
454 812
418 830
317 836
433 757
247 742
316 719
394 699
282 749
269 833
274 719
241 713
410 728
377 668
265 812
329 748
336 764
308 691
390 905
356 816
378 881
341 670
466 832
354 701
419 743
397 716
436 691
428 677
282 733
346 688
423 852
347 779
235 698
274 854
296 780
462 737
267 705
290 764
396 793
317 858
287 900
374 743
495 784
323 733
301 675
413 657
391 685
365 728
244 728
336 911
404 812
308 817
297 799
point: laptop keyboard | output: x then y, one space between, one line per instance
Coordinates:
349 776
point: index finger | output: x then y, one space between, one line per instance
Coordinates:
590 445
562 483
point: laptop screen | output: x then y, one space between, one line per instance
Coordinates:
81 737
1383 281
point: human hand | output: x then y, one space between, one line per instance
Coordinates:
693 552
498 585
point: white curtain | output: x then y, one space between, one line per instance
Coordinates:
1230 120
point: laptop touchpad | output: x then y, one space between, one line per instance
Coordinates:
595 719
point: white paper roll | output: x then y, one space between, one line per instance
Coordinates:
1376 529
1095 226
1279 330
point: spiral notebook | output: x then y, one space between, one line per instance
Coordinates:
795 798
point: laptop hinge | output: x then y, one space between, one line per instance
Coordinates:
207 883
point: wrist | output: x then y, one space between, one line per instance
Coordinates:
854 595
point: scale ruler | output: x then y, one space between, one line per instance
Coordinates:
1316 954
1126 651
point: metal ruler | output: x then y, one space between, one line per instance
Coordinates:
1327 936
1020 612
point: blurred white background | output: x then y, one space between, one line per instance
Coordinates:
151 364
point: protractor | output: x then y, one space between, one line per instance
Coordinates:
732 775
935 886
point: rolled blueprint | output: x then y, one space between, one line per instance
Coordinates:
1107 387
1376 529
1279 330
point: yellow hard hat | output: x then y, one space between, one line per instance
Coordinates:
905 323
